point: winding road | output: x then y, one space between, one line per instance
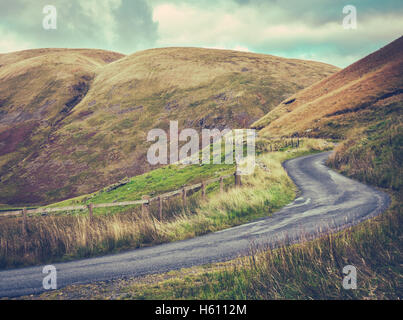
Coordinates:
328 201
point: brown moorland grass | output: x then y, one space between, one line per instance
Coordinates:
322 109
371 153
363 105
57 238
310 270
74 121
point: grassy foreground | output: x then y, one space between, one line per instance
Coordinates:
313 270
310 270
60 238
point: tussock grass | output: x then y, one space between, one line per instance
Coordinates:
57 238
311 270
102 136
329 107
374 154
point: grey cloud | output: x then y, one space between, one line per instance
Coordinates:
317 40
76 28
135 29
309 12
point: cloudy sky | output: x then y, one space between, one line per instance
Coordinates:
309 29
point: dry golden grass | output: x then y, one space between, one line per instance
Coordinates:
366 82
310 270
30 78
58 238
73 123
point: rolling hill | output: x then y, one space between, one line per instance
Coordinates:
73 121
375 79
361 104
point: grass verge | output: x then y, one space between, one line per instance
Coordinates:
60 238
310 270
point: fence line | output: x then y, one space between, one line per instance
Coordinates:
145 201
285 141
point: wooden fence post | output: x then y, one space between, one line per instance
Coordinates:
144 206
91 211
184 197
238 181
203 188
24 221
160 207
221 184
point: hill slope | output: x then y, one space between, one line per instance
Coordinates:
375 79
71 122
363 104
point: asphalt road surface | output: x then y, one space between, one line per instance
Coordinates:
327 202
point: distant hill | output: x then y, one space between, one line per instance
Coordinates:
362 104
73 121
323 108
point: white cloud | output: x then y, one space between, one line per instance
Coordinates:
236 48
242 27
101 12
10 43
241 48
